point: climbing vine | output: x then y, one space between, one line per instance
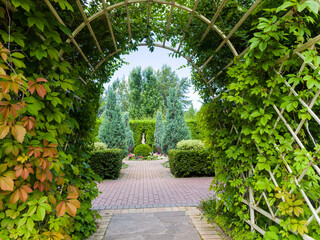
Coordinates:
249 126
46 115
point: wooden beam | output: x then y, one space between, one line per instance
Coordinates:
88 25
213 20
189 22
54 12
245 16
109 24
168 24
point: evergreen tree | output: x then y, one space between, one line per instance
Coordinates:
112 130
129 135
158 132
176 128
191 113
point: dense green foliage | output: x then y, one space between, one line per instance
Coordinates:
106 163
176 128
158 132
190 163
250 141
48 185
112 129
129 135
143 150
190 145
227 221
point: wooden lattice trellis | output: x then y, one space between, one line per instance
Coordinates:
225 39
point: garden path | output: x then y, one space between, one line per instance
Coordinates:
148 203
148 184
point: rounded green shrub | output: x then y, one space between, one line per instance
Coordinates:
143 150
98 146
190 145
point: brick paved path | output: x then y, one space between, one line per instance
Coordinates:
148 184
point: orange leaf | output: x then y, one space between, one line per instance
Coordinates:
74 202
4 56
18 132
71 209
6 183
73 195
31 86
61 209
5 85
4 131
49 175
23 194
42 80
41 90
14 196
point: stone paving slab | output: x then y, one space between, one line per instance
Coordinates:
155 224
147 184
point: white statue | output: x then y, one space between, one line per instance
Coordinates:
143 139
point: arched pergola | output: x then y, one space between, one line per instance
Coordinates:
226 45
224 39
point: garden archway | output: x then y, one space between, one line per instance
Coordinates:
196 32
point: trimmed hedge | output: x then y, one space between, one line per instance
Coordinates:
143 150
106 163
190 145
189 163
138 127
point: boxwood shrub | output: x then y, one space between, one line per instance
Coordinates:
143 150
106 163
190 163
190 145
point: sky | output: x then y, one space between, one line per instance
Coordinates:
144 58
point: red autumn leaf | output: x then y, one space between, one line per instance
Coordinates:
34 151
49 175
24 190
61 209
31 86
41 90
23 170
29 122
42 80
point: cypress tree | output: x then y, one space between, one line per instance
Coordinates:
129 135
176 128
158 132
112 130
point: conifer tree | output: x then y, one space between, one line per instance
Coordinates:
129 135
112 130
158 132
176 128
